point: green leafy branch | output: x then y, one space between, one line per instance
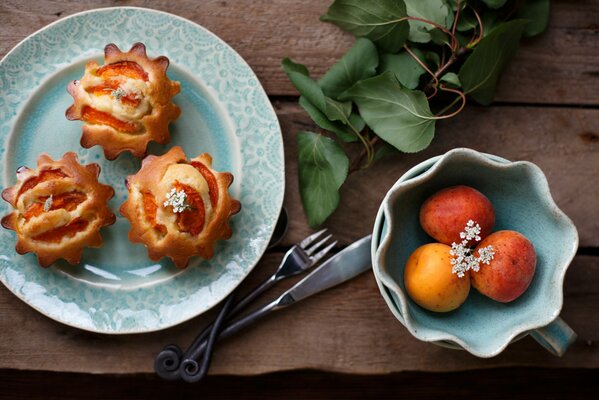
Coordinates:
414 62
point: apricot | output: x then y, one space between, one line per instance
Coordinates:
93 116
445 214
430 282
210 179
511 270
191 220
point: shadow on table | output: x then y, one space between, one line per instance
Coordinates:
500 383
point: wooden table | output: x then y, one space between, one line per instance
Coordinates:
546 111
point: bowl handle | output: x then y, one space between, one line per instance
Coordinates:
555 337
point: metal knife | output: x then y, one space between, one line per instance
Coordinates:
343 266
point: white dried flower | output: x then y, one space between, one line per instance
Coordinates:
462 258
48 203
177 200
118 93
471 231
486 254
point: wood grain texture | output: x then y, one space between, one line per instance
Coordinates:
563 142
346 329
560 67
349 329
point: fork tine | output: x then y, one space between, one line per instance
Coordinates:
315 247
311 238
316 257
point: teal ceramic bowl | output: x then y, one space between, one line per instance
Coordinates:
520 194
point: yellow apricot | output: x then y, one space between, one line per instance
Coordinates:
430 282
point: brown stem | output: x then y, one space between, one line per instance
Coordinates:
426 68
356 163
444 67
462 97
480 26
457 17
441 70
419 61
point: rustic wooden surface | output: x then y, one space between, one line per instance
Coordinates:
546 112
346 329
555 68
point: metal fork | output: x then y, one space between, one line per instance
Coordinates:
298 259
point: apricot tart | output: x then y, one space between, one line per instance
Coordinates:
126 103
59 208
179 208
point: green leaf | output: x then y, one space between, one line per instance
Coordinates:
481 71
358 63
400 116
342 131
315 100
385 150
380 21
439 37
452 79
537 12
337 111
495 4
436 11
467 21
490 20
306 86
404 66
357 122
432 58
323 168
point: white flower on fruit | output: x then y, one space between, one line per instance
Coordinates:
463 259
177 200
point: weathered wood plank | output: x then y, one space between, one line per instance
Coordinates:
561 67
347 329
563 142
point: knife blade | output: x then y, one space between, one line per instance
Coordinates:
345 265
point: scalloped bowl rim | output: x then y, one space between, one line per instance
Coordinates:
425 171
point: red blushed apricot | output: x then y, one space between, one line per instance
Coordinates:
445 214
69 230
34 210
191 220
129 69
210 179
511 270
430 282
150 209
69 201
43 176
94 116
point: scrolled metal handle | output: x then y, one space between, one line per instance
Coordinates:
168 361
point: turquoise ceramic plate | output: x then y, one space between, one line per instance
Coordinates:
225 111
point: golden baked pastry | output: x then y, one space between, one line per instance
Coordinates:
125 103
59 208
179 208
